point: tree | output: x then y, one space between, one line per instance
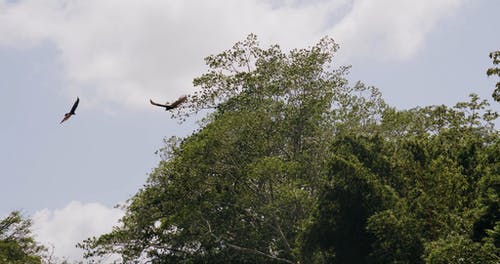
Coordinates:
17 245
293 164
244 186
460 249
353 193
396 195
495 56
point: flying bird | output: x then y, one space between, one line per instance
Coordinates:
171 106
72 111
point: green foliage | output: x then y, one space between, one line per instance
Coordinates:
352 194
495 56
295 165
17 246
487 224
460 249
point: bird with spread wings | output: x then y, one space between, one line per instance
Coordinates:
171 106
72 111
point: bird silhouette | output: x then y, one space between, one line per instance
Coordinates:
171 106
72 111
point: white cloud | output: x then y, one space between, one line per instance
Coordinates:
390 29
127 51
64 228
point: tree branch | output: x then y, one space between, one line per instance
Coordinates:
278 228
255 252
243 249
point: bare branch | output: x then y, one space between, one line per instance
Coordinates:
255 252
282 235
243 249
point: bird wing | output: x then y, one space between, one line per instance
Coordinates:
179 101
157 104
75 105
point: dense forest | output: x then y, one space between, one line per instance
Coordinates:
293 164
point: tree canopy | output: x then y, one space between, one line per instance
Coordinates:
495 56
17 245
294 164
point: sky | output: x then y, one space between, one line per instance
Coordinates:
117 54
